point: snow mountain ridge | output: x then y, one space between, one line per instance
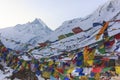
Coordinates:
108 11
29 33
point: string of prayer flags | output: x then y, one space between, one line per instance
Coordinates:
49 68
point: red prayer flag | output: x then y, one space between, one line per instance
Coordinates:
117 36
60 70
97 69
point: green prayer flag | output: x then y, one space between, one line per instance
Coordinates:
101 49
25 64
17 68
61 76
80 58
106 69
91 78
76 78
65 71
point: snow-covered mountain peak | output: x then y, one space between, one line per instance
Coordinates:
39 21
31 32
36 27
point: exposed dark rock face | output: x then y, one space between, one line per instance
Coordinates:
23 75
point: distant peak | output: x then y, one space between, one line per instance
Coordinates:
39 21
36 21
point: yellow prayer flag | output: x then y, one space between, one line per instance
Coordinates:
57 63
23 64
50 63
0 54
85 53
46 74
71 55
98 36
102 46
27 67
97 76
90 62
92 54
56 73
70 70
41 67
84 78
107 39
117 68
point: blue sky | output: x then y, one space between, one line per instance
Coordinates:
52 12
